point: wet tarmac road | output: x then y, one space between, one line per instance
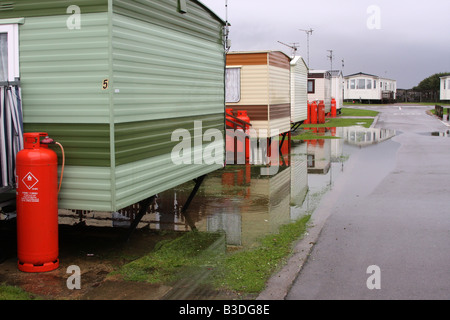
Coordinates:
392 213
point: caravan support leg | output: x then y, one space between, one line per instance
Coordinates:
198 183
296 125
282 140
143 206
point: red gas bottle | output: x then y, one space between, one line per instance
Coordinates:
313 112
37 205
229 135
308 114
333 108
321 112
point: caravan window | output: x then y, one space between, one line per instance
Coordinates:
311 86
3 56
369 83
352 84
361 84
9 52
374 84
233 85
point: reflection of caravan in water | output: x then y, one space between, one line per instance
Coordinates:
361 136
319 156
250 205
299 177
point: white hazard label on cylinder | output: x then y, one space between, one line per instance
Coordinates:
30 180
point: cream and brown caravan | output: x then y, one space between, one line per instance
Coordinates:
258 82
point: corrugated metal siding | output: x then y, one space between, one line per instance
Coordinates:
168 71
254 85
319 90
279 111
84 144
279 99
445 88
327 94
35 8
281 124
140 140
279 59
197 22
247 59
61 75
279 85
162 73
138 180
299 92
86 188
337 91
62 70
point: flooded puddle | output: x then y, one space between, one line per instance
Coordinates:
245 204
441 134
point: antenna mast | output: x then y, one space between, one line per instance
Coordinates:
227 29
331 58
308 33
293 46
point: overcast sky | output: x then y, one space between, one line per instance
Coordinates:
405 40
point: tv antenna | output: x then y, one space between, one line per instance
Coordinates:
293 46
331 58
308 33
227 29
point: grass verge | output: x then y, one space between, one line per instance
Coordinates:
169 258
243 271
14 293
350 112
310 135
248 270
340 122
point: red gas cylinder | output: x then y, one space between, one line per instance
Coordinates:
242 115
308 114
321 112
229 139
313 112
37 206
333 108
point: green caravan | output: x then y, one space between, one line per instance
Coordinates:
111 80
